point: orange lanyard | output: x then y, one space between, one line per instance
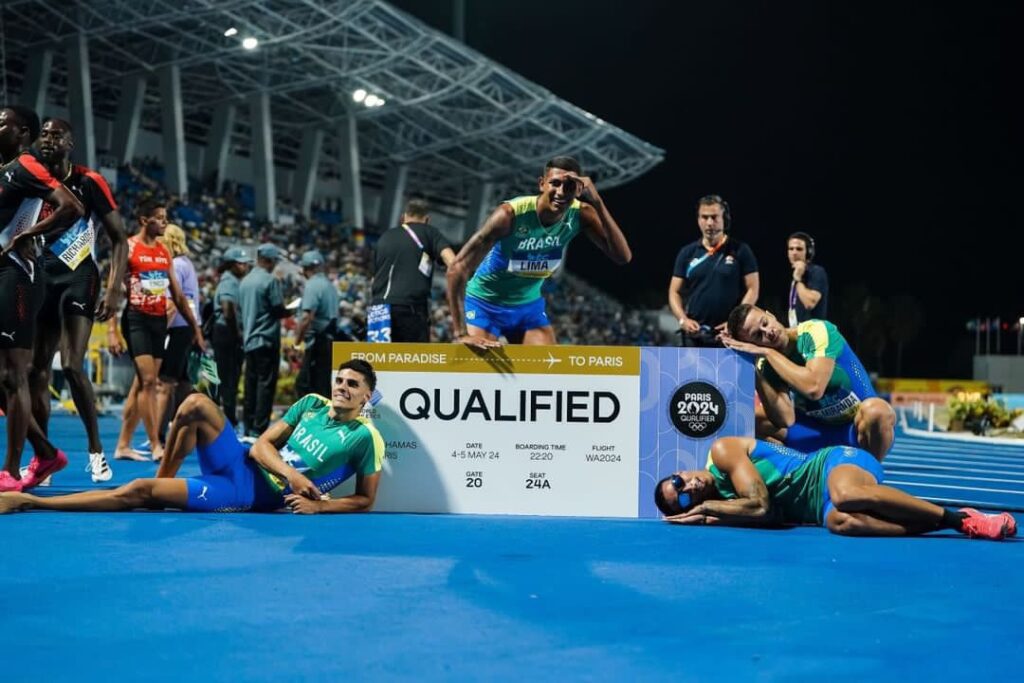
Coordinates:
714 249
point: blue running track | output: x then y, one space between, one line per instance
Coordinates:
168 596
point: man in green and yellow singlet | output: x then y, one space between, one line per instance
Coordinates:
813 389
521 244
319 443
757 483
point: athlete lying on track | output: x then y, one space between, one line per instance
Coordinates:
318 444
757 483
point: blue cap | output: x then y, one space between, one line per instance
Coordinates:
311 258
268 251
236 255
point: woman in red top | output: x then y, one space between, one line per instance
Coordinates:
150 280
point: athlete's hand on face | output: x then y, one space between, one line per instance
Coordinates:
303 506
585 189
482 343
743 347
302 486
798 270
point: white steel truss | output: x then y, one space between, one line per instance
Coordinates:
454 116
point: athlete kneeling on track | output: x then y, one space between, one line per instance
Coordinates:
814 390
757 483
318 444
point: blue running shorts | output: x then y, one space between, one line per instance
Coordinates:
508 321
230 479
847 456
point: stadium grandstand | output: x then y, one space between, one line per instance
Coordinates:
308 124
641 493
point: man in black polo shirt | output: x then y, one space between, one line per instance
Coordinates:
808 292
402 268
711 276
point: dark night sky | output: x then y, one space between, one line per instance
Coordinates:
890 132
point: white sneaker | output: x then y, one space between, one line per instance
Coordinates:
44 482
99 467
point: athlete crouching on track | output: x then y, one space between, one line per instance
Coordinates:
756 483
318 444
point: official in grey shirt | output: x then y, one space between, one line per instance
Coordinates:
317 324
262 305
227 328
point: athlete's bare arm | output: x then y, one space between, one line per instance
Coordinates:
360 501
599 225
67 209
113 225
777 403
497 226
267 454
731 456
808 380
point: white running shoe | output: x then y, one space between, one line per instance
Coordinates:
99 467
44 482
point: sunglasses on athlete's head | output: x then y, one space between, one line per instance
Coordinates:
683 498
350 383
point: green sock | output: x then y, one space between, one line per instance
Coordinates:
952 519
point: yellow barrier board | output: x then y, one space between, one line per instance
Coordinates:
930 386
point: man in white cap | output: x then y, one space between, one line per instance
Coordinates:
262 305
227 328
317 324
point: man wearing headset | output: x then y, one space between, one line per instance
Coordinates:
808 291
711 277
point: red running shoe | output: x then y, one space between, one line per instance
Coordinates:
993 527
8 482
38 470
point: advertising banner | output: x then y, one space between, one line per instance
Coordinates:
582 431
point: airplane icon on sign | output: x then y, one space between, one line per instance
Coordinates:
552 360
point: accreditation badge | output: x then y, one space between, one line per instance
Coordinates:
426 266
378 323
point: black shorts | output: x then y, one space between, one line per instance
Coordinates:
144 334
175 365
71 292
20 299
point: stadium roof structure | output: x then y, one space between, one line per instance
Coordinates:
454 116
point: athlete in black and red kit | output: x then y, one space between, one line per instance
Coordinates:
72 296
24 185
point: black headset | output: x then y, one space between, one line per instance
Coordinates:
808 242
726 211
